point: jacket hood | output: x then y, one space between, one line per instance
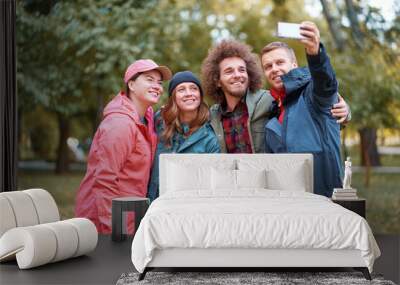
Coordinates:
121 104
295 79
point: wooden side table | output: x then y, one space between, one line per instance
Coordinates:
356 205
121 205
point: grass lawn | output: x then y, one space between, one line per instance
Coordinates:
383 201
386 160
62 187
383 195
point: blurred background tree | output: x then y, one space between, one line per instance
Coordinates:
71 57
367 63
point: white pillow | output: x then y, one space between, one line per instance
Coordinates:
292 179
188 177
251 178
223 179
281 174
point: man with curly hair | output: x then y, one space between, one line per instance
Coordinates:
231 74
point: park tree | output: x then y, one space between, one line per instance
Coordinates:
72 54
363 49
367 64
39 60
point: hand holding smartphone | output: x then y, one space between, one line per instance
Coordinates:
289 30
307 32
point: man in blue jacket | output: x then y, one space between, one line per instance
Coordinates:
305 97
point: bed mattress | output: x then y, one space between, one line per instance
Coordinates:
250 219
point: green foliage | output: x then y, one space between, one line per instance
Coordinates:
368 74
370 82
371 87
46 76
71 55
80 50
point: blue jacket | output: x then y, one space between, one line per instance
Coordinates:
308 126
203 140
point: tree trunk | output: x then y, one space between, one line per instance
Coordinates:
344 147
369 152
62 163
369 148
334 26
354 24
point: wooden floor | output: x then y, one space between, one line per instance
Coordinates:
111 259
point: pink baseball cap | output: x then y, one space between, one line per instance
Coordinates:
143 65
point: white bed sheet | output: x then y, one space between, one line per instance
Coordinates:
251 218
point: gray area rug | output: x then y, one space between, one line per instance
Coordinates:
228 278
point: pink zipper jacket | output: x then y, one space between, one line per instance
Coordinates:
119 161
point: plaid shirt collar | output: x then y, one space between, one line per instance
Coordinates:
235 125
239 108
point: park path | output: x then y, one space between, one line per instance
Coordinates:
388 150
377 169
393 150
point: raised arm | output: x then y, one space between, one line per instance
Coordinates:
325 85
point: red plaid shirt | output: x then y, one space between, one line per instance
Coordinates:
237 136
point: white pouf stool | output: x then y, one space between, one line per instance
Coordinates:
31 231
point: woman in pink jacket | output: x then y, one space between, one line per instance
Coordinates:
123 147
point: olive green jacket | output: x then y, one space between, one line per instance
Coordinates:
259 105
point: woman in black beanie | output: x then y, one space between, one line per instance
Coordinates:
182 124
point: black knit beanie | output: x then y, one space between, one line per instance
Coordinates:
183 76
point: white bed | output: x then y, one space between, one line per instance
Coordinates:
257 210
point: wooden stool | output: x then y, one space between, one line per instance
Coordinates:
138 205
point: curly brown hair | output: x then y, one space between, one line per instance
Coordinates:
170 115
225 49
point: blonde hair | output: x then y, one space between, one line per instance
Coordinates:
276 45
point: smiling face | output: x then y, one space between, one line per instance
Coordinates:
233 77
276 63
187 96
147 87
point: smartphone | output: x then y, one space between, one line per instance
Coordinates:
289 30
